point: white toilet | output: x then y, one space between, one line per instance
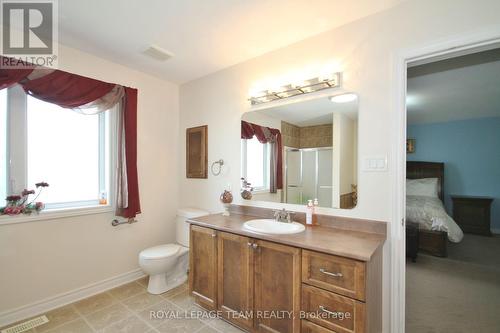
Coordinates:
167 264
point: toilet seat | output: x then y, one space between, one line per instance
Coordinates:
160 251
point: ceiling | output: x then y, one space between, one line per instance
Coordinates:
312 112
459 88
204 36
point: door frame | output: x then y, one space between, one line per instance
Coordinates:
453 46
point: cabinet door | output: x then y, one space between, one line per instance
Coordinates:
203 266
277 288
235 278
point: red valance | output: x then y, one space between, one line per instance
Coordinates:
67 90
72 91
267 135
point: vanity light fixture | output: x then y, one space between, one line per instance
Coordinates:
289 90
344 98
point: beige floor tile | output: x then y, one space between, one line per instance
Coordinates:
207 329
223 326
107 316
180 326
157 314
182 300
77 326
143 281
131 324
142 301
58 317
183 288
94 303
127 290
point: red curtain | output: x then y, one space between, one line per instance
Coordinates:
70 91
265 135
9 77
134 205
67 90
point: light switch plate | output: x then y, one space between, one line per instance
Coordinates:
375 163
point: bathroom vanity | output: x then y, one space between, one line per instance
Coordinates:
327 278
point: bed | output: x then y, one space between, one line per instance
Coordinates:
435 226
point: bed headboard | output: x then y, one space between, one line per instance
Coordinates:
417 170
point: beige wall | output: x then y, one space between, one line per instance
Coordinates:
365 50
348 160
44 258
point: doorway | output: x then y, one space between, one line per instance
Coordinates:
451 204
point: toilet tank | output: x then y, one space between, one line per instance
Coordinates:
182 228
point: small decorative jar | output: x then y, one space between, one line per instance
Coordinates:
226 198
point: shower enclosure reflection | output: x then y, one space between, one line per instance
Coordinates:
309 175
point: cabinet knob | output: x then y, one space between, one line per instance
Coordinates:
254 245
214 235
249 244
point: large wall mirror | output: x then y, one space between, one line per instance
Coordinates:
301 151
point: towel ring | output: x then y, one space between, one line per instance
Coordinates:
217 170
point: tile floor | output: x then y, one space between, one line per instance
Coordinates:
127 309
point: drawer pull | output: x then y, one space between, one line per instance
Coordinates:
213 235
325 310
322 270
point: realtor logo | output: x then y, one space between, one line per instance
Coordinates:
29 33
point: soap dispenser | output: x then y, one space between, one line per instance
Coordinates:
309 212
314 216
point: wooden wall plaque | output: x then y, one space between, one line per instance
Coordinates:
197 152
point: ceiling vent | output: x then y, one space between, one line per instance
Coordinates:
158 53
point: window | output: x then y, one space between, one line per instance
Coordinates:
68 150
256 163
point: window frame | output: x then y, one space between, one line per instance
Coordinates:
265 165
17 160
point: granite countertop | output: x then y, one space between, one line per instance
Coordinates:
346 243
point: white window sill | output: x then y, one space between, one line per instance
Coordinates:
51 214
261 190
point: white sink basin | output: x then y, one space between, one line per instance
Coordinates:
269 226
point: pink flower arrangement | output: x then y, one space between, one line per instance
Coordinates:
20 204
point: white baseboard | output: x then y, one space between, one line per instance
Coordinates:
39 307
495 231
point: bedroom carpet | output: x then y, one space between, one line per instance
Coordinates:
460 293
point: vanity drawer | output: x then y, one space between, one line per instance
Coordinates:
334 312
340 275
310 327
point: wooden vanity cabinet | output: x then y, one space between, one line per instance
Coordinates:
235 280
203 266
277 287
268 287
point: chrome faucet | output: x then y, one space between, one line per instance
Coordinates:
283 216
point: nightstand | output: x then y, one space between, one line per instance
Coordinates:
472 213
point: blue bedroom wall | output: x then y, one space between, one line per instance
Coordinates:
470 150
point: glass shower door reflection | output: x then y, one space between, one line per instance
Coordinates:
293 176
309 175
325 177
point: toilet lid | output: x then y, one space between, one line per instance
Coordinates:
160 251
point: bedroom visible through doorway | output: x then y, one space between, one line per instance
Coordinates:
453 194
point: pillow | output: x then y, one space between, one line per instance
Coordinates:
425 187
